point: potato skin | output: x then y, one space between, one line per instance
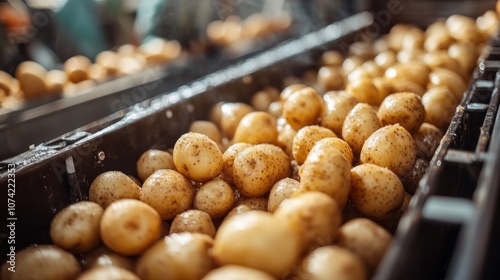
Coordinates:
111 186
338 105
109 273
280 191
76 227
237 272
359 124
303 107
404 108
216 197
168 192
262 122
195 221
391 146
305 139
152 160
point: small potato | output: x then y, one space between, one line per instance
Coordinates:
376 192
215 197
305 139
109 62
285 138
31 77
328 171
364 91
228 160
351 63
409 56
45 262
338 105
281 190
358 125
215 114
262 99
55 81
463 28
130 226
77 68
195 221
303 107
152 160
197 157
427 139
416 72
255 170
168 192
255 203
441 59
391 224
396 35
332 58
385 59
412 179
76 227
256 128
275 109
445 77
103 256
332 262
287 91
384 87
413 39
237 272
440 106
270 244
242 208
231 114
315 216
407 86
404 108
366 239
465 54
110 186
109 273
337 143
284 166
180 256
208 128
330 78
438 40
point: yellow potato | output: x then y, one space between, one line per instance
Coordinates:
337 143
332 58
465 54
269 244
366 239
77 68
237 272
364 91
445 77
152 160
263 99
441 59
110 186
255 203
109 273
303 107
228 160
231 114
284 166
413 39
287 91
261 122
285 137
31 77
404 108
305 139
427 139
195 221
76 227
208 128
103 256
440 106
168 192
315 217
385 59
416 72
280 191
358 125
338 105
332 262
463 28
197 157
55 81
330 78
376 192
391 146
180 256
215 197
108 60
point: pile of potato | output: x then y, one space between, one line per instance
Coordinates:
307 182
32 81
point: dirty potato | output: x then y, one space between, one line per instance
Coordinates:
256 128
280 191
152 160
207 128
215 197
168 192
338 104
197 157
447 78
364 91
404 108
391 146
110 186
359 124
440 106
337 143
228 160
195 221
305 139
76 227
231 114
376 192
303 107
255 203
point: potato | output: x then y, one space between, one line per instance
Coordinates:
330 78
45 262
303 107
315 217
76 227
109 62
285 137
208 128
351 63
463 28
358 125
332 262
364 91
337 143
441 59
55 81
215 114
255 203
376 192
228 160
366 239
152 160
180 256
412 179
284 166
427 139
405 85
445 77
391 146
280 191
195 221
404 108
413 39
110 186
168 192
103 256
215 197
130 226
258 229
231 114
237 272
332 58
385 59
416 72
409 56
252 122
328 171
197 157
438 40
440 106
338 105
391 224
305 139
31 77
255 170
465 54
109 273
242 208
262 99
287 91
275 109
76 68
